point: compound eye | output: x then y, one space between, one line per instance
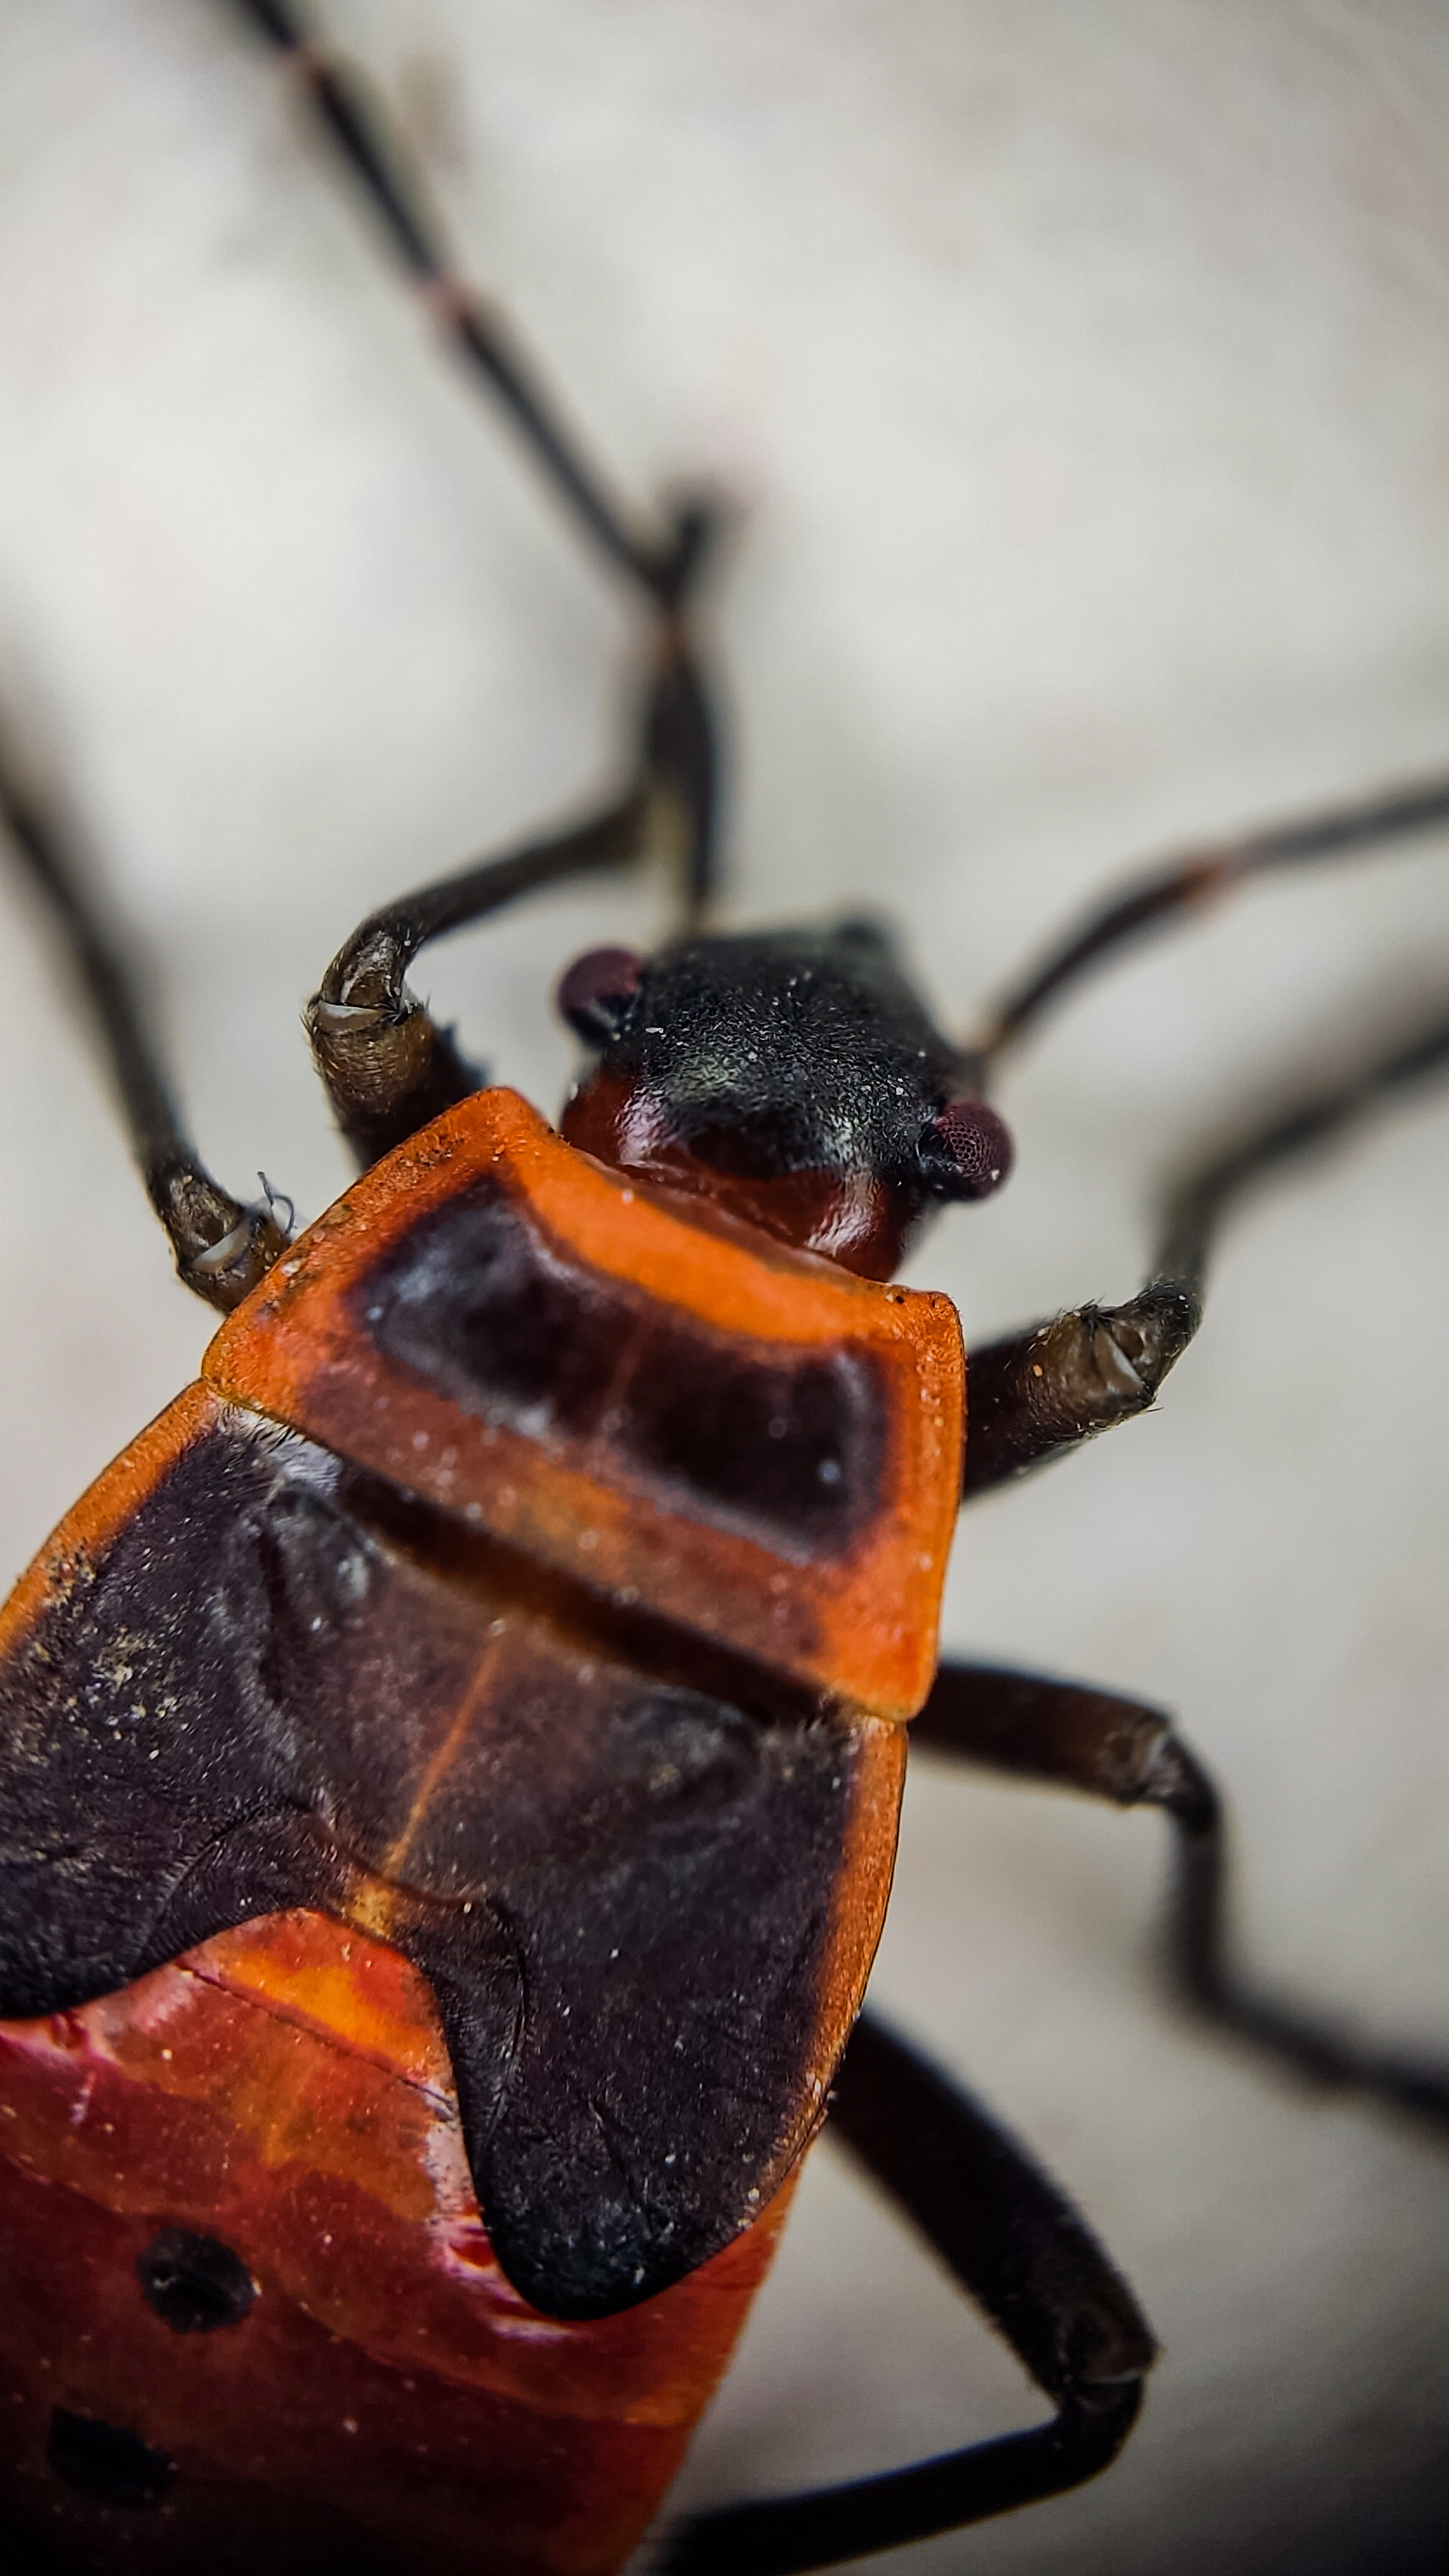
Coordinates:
598 991
967 1150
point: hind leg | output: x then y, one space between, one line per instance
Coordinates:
1021 2252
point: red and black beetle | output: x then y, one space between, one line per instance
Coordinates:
453 1757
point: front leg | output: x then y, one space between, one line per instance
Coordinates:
386 1065
1042 1392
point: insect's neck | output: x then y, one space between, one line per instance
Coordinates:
854 1220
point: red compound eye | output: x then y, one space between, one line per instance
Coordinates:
598 990
967 1150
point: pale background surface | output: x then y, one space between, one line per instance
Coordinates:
1087 371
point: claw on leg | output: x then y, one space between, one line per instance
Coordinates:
1044 1391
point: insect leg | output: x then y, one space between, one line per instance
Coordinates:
1037 1394
222 1248
1187 886
666 566
1111 1747
387 1067
1194 1206
1017 2247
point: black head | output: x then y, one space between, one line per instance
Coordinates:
791 1076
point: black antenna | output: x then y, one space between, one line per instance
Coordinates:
661 567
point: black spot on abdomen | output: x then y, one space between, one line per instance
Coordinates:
195 2283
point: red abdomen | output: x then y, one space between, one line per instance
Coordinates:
384 2397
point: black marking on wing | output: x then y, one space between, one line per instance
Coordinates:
786 1445
619 1884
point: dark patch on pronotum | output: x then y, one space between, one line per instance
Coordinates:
105 2461
475 1301
194 2283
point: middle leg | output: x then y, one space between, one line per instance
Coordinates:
1071 1737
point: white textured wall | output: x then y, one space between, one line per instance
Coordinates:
1087 372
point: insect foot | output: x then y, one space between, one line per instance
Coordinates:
1043 1391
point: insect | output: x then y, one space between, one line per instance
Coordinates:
584 1002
